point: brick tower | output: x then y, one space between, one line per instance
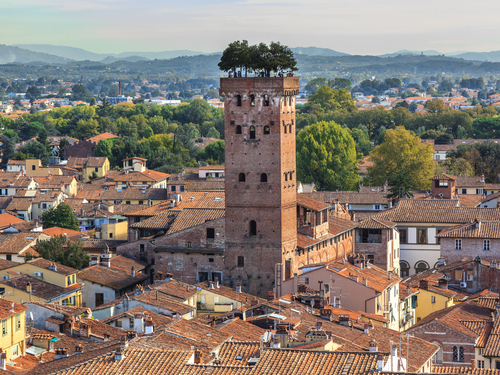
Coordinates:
261 210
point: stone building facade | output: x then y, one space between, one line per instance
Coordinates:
261 210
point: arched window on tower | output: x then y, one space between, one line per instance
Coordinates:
252 100
252 132
266 100
286 176
253 228
267 130
238 129
238 100
284 127
290 129
263 177
291 176
241 177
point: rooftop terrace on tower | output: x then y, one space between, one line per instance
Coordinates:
269 85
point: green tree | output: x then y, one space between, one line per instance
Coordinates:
314 84
62 216
458 166
360 136
36 150
62 146
80 92
8 149
67 253
326 155
328 99
33 93
486 127
214 151
213 133
104 149
148 132
444 139
402 160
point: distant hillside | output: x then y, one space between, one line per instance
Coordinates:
112 59
315 51
80 54
415 53
10 54
493 56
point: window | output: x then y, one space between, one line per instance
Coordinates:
481 351
8 257
464 191
131 323
210 260
443 183
486 245
458 274
253 228
238 129
433 299
241 177
4 327
267 130
421 266
286 176
96 169
370 258
119 323
174 188
479 191
111 235
421 235
458 244
290 129
127 202
480 364
306 281
5 277
33 167
266 100
376 207
44 205
403 236
141 202
15 351
182 188
284 127
210 233
142 248
18 322
238 100
69 280
252 100
263 177
99 299
73 278
368 236
241 261
252 132
189 244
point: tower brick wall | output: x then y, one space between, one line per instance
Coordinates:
259 116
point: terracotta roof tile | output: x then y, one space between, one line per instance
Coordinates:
476 229
312 204
113 277
39 288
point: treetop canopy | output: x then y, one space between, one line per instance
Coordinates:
257 58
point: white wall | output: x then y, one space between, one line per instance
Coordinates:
90 289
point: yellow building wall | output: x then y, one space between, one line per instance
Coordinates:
47 275
101 171
39 170
426 306
13 336
20 296
119 231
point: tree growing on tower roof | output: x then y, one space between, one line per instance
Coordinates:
257 58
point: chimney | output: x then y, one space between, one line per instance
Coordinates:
53 267
139 322
344 320
119 354
106 262
150 328
325 314
94 259
388 275
424 284
394 350
238 288
373 346
84 330
366 328
61 353
28 287
443 283
124 341
380 362
197 356
364 281
132 272
481 179
217 282
211 284
78 349
472 363
276 343
131 335
441 262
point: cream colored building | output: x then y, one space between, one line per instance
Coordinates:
12 339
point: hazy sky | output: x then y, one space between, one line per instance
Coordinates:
356 27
